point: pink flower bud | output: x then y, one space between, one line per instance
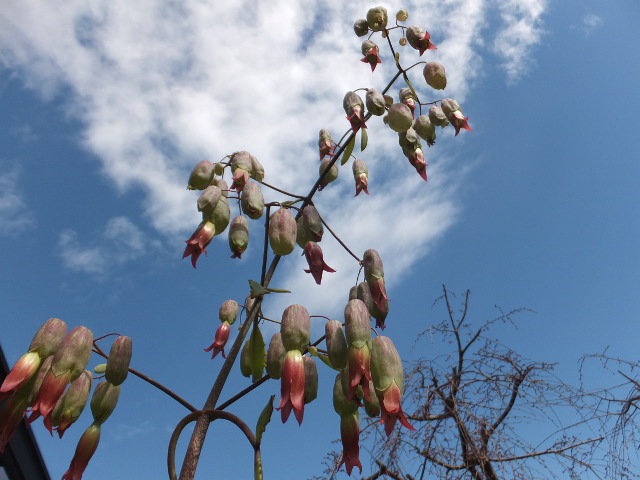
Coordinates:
252 200
201 176
354 106
119 360
416 158
361 176
295 328
377 19
363 292
199 241
315 259
49 337
283 231
229 311
239 236
220 340
400 117
222 185
371 54
275 356
325 144
419 39
435 75
292 386
407 97
350 436
336 344
458 120
24 369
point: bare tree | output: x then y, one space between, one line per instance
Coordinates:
483 412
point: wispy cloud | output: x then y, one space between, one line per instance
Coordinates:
160 86
15 216
119 242
588 24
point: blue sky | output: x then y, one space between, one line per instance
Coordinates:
105 110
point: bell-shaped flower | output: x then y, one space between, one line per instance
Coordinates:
325 143
252 200
407 97
292 386
388 381
208 199
350 436
371 54
220 217
459 121
361 176
283 231
87 446
336 344
309 226
11 414
354 108
358 334
416 158
311 379
363 292
70 406
374 275
435 75
437 117
315 259
257 170
199 241
240 179
425 129
220 340
419 39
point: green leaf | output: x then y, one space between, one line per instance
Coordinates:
364 139
264 419
278 290
349 150
100 369
258 353
257 290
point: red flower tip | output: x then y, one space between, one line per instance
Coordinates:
87 446
359 371
199 241
20 374
50 392
391 408
315 259
372 58
458 120
350 436
292 386
222 336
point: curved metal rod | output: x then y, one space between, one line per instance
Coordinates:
212 415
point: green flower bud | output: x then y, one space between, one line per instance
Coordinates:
208 199
336 344
425 129
402 41
295 328
252 200
257 170
241 160
275 355
435 75
218 169
386 365
48 338
377 19
400 117
309 226
220 217
372 405
363 292
310 380
229 311
357 323
70 406
361 27
409 140
402 16
437 117
283 231
105 398
201 176
245 359
100 369
449 106
352 101
375 102
325 143
239 235
119 360
341 404
331 175
222 185
74 353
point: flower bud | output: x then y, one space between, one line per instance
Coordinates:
275 355
407 97
74 353
201 176
400 117
364 293
208 199
437 117
336 344
309 226
70 406
449 106
229 311
218 168
119 360
425 129
283 231
361 176
357 323
220 340
239 236
341 403
458 120
325 144
419 39
87 446
377 19
48 338
375 102
220 217
315 259
310 379
295 328
105 398
435 75
331 175
252 200
371 54
361 27
257 170
200 240
222 185
374 275
371 404
409 141
402 16
354 106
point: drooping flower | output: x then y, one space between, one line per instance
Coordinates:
358 333
21 373
371 54
315 259
199 241
119 360
458 120
435 75
354 108
239 235
292 386
361 176
416 158
309 226
374 275
11 414
419 39
70 406
350 436
325 144
283 231
359 370
87 446
388 381
222 336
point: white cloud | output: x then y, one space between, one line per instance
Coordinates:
588 24
15 216
160 86
119 242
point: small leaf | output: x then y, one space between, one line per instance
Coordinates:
257 290
100 369
258 354
349 150
278 290
364 139
264 419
